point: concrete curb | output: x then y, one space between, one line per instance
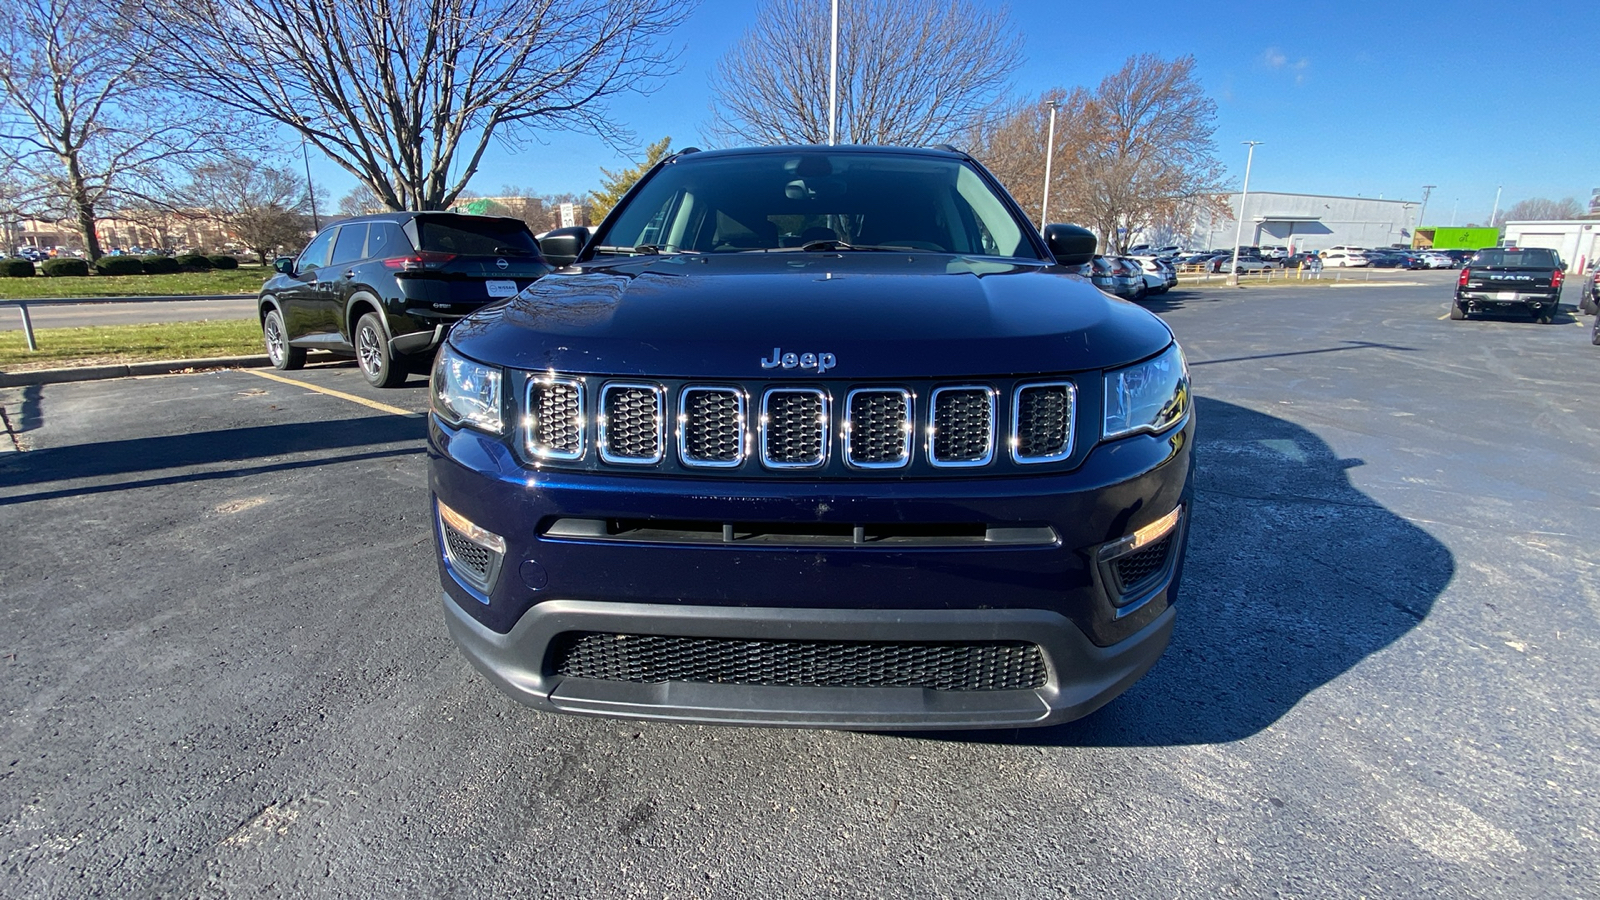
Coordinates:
125 370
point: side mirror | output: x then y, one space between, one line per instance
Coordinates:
1070 244
284 265
562 246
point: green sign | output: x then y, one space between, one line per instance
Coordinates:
1464 238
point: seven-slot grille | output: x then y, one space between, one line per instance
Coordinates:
656 659
631 423
711 426
878 428
555 406
794 428
1041 426
963 426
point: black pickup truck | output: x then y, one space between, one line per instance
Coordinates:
1505 279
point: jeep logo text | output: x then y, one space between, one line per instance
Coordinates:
822 362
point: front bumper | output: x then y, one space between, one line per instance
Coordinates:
1082 676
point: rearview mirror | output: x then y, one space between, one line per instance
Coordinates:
284 265
1070 244
562 246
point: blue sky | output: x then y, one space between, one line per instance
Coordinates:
1351 98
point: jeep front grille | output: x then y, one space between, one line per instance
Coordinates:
963 427
555 406
794 428
656 659
711 424
631 423
1042 419
878 428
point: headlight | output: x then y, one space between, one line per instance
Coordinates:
466 392
1151 396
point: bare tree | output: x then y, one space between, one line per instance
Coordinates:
81 120
910 72
263 206
360 201
401 92
1134 153
1540 208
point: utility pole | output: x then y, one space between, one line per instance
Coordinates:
1049 154
1422 213
311 194
1244 194
833 80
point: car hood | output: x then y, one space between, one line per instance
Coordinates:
878 315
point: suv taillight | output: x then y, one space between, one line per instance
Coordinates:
419 261
1465 273
1557 277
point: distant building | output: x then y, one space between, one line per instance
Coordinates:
1308 222
1577 240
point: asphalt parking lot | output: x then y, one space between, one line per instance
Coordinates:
226 673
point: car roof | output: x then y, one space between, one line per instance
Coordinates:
941 152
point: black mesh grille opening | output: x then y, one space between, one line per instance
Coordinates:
1044 421
711 430
557 418
963 425
878 423
1141 566
653 659
795 431
471 559
633 423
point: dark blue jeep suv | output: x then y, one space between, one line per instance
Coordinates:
816 436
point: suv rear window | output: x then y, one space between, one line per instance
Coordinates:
1533 258
476 236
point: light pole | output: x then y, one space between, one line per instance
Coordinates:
1049 154
833 80
1496 211
1244 194
311 194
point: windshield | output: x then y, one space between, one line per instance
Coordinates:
1515 259
817 200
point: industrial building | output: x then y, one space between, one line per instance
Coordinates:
1577 240
1308 222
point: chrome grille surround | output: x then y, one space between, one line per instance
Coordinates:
696 431
636 424
788 427
1019 449
950 421
547 437
864 436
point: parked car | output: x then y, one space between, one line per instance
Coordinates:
1339 259
1159 274
1589 296
1247 264
652 497
1510 279
1130 279
1436 260
386 288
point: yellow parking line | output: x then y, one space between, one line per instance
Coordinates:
1443 317
371 404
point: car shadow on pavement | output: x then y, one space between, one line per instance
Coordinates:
1178 298
1293 577
202 448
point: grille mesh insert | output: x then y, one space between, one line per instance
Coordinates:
963 425
471 559
633 423
653 659
1044 421
557 418
878 427
1141 566
711 429
795 432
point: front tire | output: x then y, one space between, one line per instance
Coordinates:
372 354
283 357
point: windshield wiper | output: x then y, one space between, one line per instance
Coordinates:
513 251
833 244
640 250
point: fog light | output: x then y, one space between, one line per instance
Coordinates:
473 553
1132 565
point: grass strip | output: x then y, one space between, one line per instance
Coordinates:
99 345
246 280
